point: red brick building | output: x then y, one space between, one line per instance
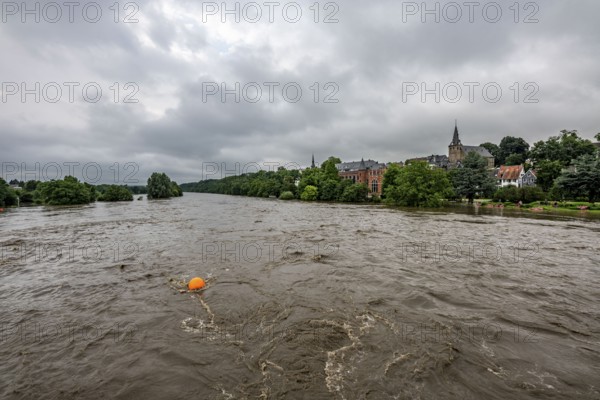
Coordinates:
368 172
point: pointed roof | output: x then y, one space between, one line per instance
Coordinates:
362 164
509 172
455 138
313 161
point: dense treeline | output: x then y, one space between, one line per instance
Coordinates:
567 168
69 191
320 183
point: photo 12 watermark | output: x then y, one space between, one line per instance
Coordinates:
64 252
435 332
471 11
269 92
270 11
220 170
52 12
54 92
454 92
89 172
453 252
31 333
265 251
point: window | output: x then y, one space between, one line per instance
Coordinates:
374 186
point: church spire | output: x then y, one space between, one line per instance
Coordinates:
313 161
455 138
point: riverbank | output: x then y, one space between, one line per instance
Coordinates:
572 207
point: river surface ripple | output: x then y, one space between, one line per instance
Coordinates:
310 301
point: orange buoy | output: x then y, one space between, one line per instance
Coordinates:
196 283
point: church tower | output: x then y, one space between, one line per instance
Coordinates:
455 150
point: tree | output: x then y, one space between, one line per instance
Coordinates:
472 178
310 193
565 148
329 170
329 190
515 159
512 145
417 185
583 180
175 189
310 177
392 172
494 150
547 171
8 197
159 186
68 191
355 193
116 193
597 136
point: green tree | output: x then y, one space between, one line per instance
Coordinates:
494 150
310 193
515 159
472 178
510 145
8 196
390 176
417 185
159 186
547 171
355 193
68 191
329 170
564 148
175 189
583 180
116 193
328 191
310 177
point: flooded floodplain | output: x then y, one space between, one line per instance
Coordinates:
303 301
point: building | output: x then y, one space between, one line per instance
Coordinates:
434 161
368 172
457 152
509 175
528 179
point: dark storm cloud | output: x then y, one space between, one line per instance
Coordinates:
371 54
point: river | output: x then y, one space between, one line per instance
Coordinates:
312 301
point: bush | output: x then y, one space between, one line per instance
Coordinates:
286 196
160 186
66 192
116 193
8 197
514 194
310 193
529 194
355 193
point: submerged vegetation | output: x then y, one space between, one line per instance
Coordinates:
70 191
567 168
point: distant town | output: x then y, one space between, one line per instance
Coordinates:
370 172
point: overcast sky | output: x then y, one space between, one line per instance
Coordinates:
370 63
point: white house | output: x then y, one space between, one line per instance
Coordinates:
509 175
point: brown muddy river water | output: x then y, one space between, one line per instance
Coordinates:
314 301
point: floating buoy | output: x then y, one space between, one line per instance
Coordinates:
196 283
